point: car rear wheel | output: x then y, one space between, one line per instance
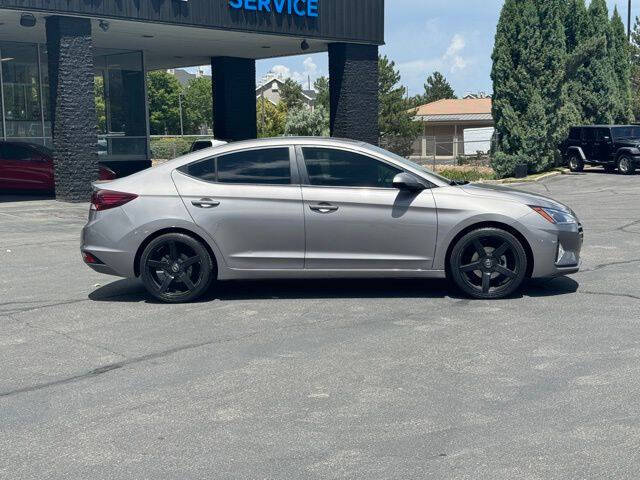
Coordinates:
625 165
575 163
176 268
488 263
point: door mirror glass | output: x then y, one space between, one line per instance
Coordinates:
407 182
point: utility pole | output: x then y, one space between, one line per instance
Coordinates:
180 104
629 22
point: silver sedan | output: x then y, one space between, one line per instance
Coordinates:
320 208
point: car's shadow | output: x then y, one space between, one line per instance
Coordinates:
133 291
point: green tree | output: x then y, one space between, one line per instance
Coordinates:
531 101
164 115
271 118
621 59
101 109
305 122
635 68
291 94
598 87
398 130
321 86
437 88
197 105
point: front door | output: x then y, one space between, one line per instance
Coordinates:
249 205
356 220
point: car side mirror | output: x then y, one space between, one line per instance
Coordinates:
407 182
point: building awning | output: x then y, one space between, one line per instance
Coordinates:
470 117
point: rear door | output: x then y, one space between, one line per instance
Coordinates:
250 203
588 141
356 220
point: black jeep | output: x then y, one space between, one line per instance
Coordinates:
608 146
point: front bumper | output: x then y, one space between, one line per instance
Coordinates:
556 248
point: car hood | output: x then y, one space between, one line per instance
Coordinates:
500 192
628 142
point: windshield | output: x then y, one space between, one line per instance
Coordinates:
625 132
410 164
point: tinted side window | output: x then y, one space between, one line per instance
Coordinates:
13 151
271 166
204 170
590 134
340 168
574 134
602 132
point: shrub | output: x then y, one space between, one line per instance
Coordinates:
169 148
505 165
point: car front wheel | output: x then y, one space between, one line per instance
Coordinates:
176 268
488 263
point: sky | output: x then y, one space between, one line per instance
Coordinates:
453 37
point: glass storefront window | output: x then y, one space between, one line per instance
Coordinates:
21 92
120 105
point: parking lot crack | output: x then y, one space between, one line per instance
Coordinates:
610 264
610 294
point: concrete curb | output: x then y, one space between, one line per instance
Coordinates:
532 179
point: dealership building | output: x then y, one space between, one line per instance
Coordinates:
58 56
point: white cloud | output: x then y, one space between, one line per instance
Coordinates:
309 70
457 45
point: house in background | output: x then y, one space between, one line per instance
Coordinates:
271 85
455 127
184 77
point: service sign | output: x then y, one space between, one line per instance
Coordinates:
299 8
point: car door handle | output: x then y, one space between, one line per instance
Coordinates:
324 208
205 203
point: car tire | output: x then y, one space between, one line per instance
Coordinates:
625 165
176 268
575 163
488 263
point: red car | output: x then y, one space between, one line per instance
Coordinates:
28 166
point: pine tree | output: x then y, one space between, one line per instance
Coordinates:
575 20
397 128
620 56
437 88
635 68
529 73
598 87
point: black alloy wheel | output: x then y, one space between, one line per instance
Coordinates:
176 268
488 263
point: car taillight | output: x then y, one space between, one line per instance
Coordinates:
106 199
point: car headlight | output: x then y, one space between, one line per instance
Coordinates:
555 216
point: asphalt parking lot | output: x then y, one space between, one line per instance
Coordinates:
321 379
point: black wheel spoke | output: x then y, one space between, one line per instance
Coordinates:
166 283
501 250
173 251
156 264
505 271
191 261
471 267
187 281
479 248
486 282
